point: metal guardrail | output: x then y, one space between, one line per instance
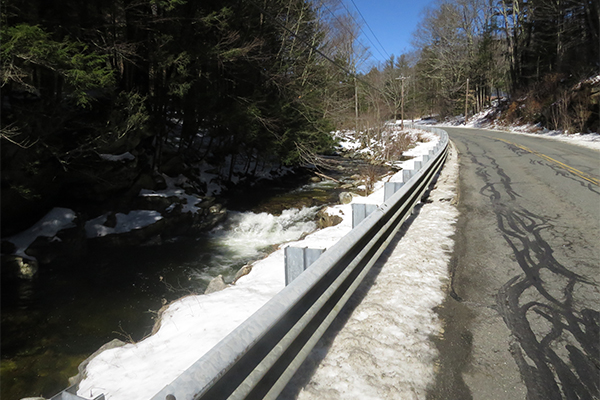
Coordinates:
70 393
258 358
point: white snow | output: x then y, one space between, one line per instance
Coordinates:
384 350
118 157
173 190
375 145
589 140
56 220
194 324
135 219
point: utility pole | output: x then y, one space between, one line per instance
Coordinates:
466 102
355 105
401 79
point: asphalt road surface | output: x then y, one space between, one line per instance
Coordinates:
522 319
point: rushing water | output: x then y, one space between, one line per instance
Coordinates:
52 323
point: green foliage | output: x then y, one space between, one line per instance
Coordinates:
27 48
130 118
167 5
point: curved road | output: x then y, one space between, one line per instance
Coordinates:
522 321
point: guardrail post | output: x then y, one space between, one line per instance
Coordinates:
407 174
298 259
360 212
390 188
418 165
70 393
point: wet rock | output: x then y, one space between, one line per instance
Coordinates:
345 197
67 246
133 237
174 166
325 220
144 181
207 202
217 209
315 179
156 203
19 267
245 270
216 284
153 241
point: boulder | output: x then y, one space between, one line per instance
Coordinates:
215 285
67 246
325 219
245 270
18 267
345 197
174 166
134 236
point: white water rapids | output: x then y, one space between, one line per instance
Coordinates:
248 236
382 350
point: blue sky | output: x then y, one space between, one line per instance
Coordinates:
392 22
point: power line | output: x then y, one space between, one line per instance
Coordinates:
269 15
360 27
368 26
342 24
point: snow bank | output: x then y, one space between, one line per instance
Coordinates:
384 349
193 325
135 219
173 190
375 145
52 223
118 157
589 140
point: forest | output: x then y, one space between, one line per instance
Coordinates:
258 82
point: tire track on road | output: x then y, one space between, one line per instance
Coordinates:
555 339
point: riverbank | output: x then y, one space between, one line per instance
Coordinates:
52 322
192 325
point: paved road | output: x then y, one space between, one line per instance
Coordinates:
522 321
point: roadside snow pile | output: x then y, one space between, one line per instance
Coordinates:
482 121
56 220
383 348
194 324
589 140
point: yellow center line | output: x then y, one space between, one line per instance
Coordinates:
572 170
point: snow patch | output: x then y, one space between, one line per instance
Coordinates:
588 140
52 223
172 190
136 219
384 349
118 157
192 325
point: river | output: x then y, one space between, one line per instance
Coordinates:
54 322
